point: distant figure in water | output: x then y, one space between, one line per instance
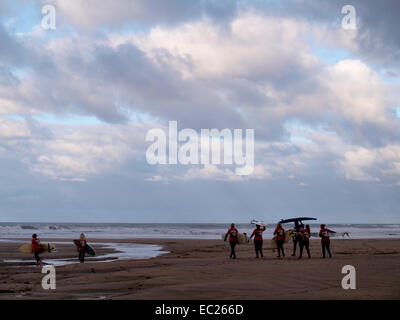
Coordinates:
233 239
81 244
36 248
279 234
305 235
258 239
325 241
297 237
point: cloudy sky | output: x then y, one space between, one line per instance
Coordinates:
76 104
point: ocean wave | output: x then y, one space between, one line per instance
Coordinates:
170 230
26 227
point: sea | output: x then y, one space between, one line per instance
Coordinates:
173 230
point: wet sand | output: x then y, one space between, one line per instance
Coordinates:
201 269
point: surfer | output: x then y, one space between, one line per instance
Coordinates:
36 248
325 241
305 234
279 234
233 239
298 225
258 239
81 244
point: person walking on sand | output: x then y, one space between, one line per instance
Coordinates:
233 239
81 244
279 234
36 248
325 241
305 241
297 237
258 239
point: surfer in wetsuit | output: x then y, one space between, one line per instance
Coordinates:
325 241
36 248
305 234
233 239
279 234
298 225
258 239
81 244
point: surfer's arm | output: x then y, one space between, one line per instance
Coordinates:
226 236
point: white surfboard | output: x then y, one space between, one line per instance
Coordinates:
257 222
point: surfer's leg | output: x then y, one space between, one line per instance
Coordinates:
280 248
256 247
294 246
307 244
323 249
329 249
37 257
278 245
301 249
233 254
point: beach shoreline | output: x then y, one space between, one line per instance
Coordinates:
201 269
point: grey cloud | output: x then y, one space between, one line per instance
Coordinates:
88 15
11 51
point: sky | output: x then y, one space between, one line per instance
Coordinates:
77 101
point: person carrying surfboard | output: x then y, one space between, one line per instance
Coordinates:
81 246
305 234
233 239
258 239
298 225
325 241
36 248
279 234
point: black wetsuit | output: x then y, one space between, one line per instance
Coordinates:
233 254
304 242
297 237
326 246
279 245
36 254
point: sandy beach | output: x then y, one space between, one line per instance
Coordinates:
201 269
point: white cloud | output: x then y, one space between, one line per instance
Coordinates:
252 45
86 151
12 129
373 164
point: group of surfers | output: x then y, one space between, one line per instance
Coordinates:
81 244
301 235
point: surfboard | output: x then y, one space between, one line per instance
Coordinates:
242 238
45 247
257 222
296 219
289 234
89 249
